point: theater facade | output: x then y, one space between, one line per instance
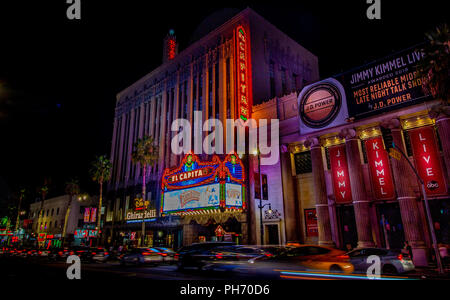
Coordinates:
340 187
226 69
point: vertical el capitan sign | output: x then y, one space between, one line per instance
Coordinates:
426 157
339 174
243 74
380 170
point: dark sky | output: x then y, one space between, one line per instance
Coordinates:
59 78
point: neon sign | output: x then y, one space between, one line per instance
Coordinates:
209 185
339 173
380 171
171 48
243 74
426 157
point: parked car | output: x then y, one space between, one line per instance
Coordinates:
140 256
195 254
84 253
392 261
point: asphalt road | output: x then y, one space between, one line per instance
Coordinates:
22 268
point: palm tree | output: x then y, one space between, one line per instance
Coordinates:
145 153
44 191
21 196
434 69
101 172
72 189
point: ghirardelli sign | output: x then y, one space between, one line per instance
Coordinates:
139 215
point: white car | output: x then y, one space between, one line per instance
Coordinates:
392 261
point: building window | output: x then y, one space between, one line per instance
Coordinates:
272 78
210 90
48 212
283 81
57 211
302 162
53 210
56 223
200 92
216 92
194 93
228 88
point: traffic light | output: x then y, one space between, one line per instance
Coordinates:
387 138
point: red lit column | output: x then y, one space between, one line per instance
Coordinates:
409 205
320 192
443 127
359 195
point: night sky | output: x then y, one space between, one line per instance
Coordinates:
59 77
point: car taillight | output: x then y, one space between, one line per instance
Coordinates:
400 256
146 253
93 253
40 252
269 254
60 253
344 256
162 254
219 255
176 256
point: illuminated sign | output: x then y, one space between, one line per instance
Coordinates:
320 105
197 185
171 48
193 198
140 204
426 157
312 229
138 216
90 214
233 194
85 233
339 174
384 85
243 74
380 171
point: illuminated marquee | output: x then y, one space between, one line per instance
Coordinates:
243 74
197 185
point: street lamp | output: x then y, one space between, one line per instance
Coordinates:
261 206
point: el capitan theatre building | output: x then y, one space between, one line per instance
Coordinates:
340 186
235 59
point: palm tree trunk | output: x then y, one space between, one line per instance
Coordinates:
65 220
99 213
143 200
18 213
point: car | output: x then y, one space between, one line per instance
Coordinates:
392 261
84 253
140 256
167 253
100 255
195 254
229 258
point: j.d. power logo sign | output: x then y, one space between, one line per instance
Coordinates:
320 105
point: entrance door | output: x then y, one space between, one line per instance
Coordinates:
347 226
272 234
393 225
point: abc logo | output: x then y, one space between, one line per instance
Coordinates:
432 185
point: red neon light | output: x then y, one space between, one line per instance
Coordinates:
339 173
171 47
243 71
426 157
380 170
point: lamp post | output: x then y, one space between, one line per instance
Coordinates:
427 209
261 206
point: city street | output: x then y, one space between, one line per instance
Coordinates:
18 268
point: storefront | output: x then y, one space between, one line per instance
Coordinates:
363 196
209 197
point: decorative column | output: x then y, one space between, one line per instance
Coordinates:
443 127
289 197
359 195
409 209
320 192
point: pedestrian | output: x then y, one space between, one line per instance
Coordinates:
408 249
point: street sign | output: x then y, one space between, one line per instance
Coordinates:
395 153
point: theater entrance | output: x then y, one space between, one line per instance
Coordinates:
391 226
347 226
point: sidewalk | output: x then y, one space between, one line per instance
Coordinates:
431 272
